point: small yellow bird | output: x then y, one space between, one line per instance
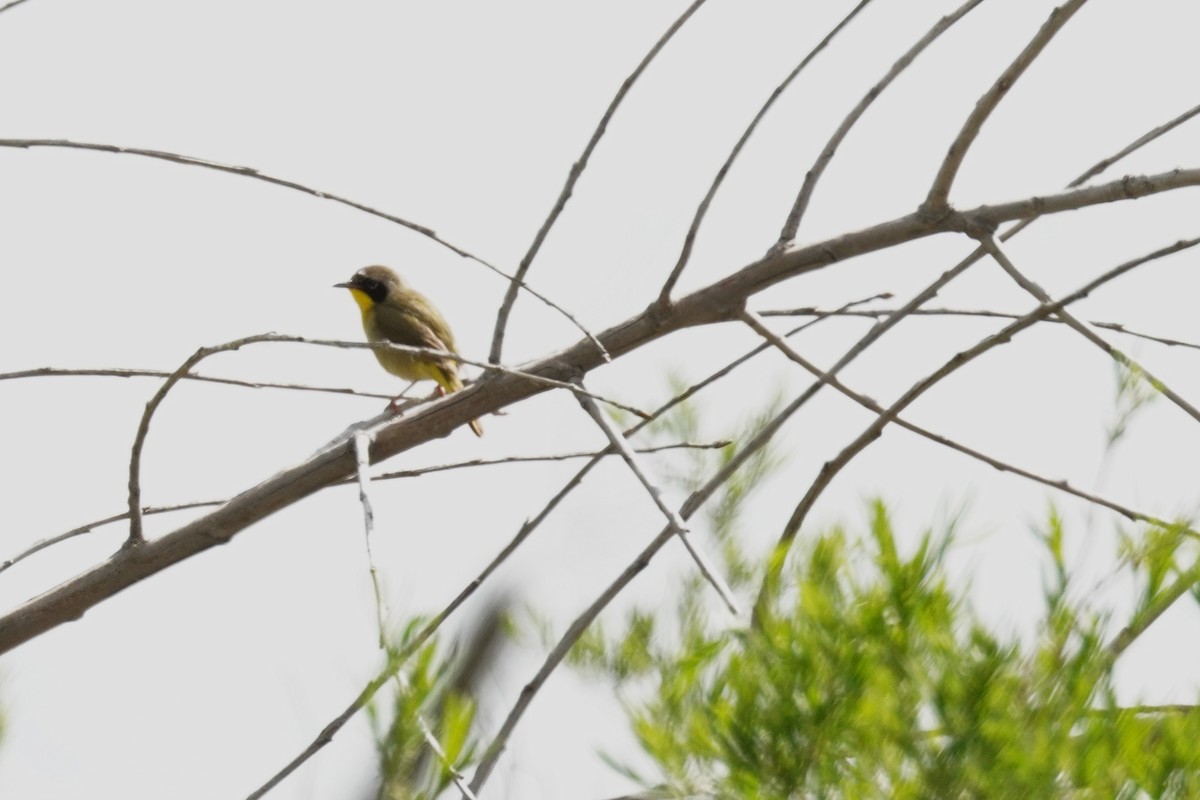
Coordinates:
392 311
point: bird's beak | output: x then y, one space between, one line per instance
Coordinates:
343 285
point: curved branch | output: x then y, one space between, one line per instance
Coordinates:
139 440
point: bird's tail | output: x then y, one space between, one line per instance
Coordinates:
450 381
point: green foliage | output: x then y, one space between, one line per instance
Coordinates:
408 768
869 677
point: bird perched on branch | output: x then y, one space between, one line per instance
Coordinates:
392 311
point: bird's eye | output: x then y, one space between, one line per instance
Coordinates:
374 289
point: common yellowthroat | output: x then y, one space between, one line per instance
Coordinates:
392 311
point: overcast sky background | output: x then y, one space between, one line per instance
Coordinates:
465 116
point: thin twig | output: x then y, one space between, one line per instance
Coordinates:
881 313
89 527
362 458
63 372
673 519
664 296
488 462
250 172
872 432
136 536
1137 144
510 297
792 224
760 327
939 192
434 353
11 4
742 359
994 249
398 474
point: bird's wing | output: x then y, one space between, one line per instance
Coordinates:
402 327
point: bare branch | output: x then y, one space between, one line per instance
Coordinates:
488 462
755 322
673 519
510 297
883 313
792 224
1135 145
407 473
362 469
89 527
664 296
62 372
250 172
994 249
135 458
742 359
939 192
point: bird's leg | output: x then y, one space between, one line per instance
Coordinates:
394 405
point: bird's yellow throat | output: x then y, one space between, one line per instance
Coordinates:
363 299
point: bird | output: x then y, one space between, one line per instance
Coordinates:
392 311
